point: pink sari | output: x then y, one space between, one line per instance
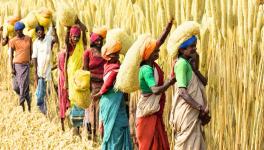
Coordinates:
64 102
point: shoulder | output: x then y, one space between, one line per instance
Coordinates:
181 63
28 37
146 68
87 52
13 39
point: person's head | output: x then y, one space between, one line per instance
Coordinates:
97 37
75 34
110 51
40 31
151 52
114 57
19 27
188 47
96 41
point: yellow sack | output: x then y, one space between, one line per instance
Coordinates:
127 77
80 94
44 16
45 22
30 20
45 12
8 27
31 33
8 30
183 32
11 20
120 35
66 15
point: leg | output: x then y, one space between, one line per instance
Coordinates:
23 82
62 124
41 93
15 85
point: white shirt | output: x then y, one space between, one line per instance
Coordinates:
42 51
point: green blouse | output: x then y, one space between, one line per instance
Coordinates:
146 79
183 72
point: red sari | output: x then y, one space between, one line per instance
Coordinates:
64 102
150 130
96 67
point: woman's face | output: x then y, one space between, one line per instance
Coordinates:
155 55
189 51
75 39
98 42
114 57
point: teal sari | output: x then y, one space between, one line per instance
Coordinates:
114 117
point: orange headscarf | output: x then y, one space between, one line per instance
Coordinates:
100 31
148 50
111 47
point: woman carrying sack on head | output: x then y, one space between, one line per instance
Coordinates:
114 126
150 129
189 106
94 62
69 62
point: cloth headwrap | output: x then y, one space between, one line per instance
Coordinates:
97 32
100 31
149 49
110 47
75 30
19 26
94 37
188 42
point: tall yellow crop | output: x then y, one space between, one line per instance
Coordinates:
230 45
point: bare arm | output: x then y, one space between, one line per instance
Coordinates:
85 62
67 41
84 30
5 41
165 33
160 89
195 66
55 35
189 100
35 63
11 61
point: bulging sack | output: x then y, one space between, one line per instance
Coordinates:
80 94
66 15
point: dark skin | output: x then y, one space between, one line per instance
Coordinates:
96 48
114 58
4 39
84 30
41 36
187 54
70 40
152 58
159 89
19 34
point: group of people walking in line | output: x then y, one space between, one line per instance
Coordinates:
107 114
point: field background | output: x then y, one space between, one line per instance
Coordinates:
231 46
